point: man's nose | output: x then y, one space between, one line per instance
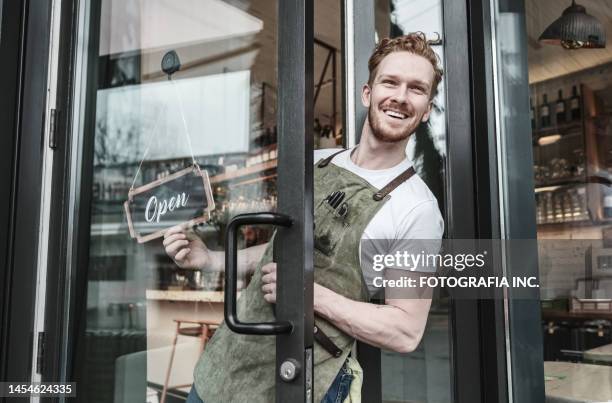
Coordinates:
400 95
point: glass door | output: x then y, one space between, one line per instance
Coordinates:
461 356
186 115
423 375
556 190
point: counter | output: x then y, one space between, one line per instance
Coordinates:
568 382
599 354
181 295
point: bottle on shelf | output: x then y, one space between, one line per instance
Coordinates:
544 112
540 209
578 204
560 109
574 105
532 114
96 191
550 214
567 207
558 206
607 206
581 198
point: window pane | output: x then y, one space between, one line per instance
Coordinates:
569 104
424 374
145 319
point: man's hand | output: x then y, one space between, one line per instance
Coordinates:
186 248
269 282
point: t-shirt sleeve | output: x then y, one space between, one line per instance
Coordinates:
424 221
419 234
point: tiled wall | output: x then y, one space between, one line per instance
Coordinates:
563 257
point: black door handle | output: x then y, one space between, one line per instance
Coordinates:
231 274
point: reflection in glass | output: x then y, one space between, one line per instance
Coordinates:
570 102
424 374
143 321
218 111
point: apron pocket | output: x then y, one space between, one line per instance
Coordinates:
329 229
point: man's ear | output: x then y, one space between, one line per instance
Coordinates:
428 112
366 92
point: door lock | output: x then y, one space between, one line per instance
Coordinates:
289 370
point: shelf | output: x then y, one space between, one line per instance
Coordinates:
561 182
564 224
564 128
253 169
185 295
552 314
120 228
257 150
598 116
254 180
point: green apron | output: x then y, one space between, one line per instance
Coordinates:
241 368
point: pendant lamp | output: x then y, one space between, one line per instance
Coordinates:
575 29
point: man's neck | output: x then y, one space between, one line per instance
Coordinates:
375 154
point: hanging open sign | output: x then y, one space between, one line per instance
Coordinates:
182 197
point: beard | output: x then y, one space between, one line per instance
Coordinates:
384 133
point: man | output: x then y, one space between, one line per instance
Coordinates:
368 192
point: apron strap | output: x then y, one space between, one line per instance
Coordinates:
326 342
325 162
398 180
378 196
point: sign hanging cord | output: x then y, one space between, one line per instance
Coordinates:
185 133
146 151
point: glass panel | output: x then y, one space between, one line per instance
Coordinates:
147 319
143 320
328 113
570 94
570 98
424 374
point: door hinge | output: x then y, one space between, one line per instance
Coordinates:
53 127
40 354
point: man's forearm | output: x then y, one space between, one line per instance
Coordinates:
384 326
248 258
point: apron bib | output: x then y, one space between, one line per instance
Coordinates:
241 368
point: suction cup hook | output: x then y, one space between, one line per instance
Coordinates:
170 63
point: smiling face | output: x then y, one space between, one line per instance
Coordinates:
398 99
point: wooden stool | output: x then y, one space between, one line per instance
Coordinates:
204 329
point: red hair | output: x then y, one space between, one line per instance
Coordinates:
415 43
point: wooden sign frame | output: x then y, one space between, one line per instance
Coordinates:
194 169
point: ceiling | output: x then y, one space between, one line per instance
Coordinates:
139 25
548 61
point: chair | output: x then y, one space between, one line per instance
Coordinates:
204 329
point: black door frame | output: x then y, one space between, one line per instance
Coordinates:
295 188
57 290
12 19
24 46
478 328
525 314
57 295
295 118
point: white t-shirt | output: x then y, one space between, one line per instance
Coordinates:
411 213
